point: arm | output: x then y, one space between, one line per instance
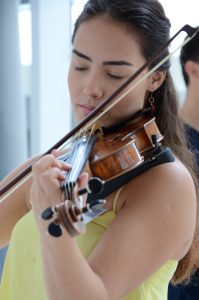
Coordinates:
135 244
13 207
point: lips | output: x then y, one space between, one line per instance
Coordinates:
86 109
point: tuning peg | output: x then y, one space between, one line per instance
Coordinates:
95 186
54 230
47 214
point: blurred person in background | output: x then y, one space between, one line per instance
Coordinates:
189 113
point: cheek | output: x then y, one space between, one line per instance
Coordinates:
136 98
72 86
128 106
75 85
70 80
134 102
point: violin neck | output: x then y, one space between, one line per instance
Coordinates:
78 157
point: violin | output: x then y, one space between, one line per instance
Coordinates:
113 154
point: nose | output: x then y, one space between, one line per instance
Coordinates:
94 87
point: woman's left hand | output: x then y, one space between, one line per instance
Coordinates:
48 173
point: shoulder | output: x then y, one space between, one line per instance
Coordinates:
165 196
164 180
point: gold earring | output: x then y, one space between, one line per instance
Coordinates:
151 101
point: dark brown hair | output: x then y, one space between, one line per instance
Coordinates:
147 18
189 52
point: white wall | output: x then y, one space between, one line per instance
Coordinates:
13 143
50 105
180 13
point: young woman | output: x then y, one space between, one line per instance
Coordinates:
144 240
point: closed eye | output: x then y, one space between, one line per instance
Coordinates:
81 69
117 77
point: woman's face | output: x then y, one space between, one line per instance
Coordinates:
104 56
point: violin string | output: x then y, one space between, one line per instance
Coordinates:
82 135
70 177
67 185
71 140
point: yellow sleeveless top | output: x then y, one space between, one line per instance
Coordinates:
22 277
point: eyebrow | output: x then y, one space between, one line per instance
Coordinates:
81 55
111 62
117 63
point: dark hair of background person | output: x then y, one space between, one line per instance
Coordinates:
190 52
147 19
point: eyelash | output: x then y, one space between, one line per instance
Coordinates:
81 69
116 77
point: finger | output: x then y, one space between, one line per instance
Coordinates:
56 153
44 163
65 166
83 180
82 184
47 162
52 174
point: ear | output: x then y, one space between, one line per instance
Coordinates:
192 69
156 80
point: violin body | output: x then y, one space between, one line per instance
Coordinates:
116 153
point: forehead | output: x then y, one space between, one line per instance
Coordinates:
109 38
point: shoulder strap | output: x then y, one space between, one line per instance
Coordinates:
164 155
